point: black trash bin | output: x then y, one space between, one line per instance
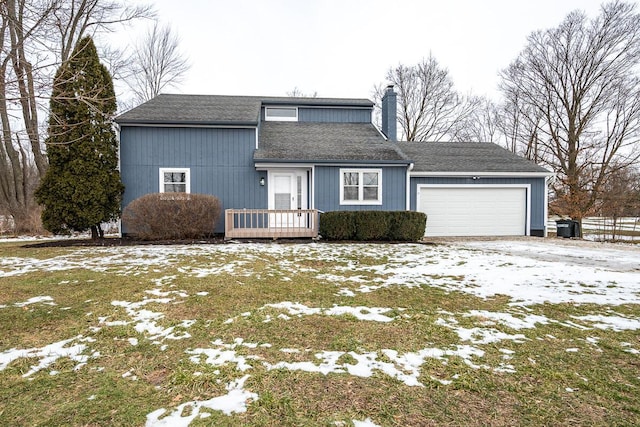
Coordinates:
567 228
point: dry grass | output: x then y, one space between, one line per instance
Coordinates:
604 378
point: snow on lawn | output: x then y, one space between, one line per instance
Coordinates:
234 401
529 272
615 323
49 354
404 367
374 314
44 299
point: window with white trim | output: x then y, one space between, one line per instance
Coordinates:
281 114
175 180
360 186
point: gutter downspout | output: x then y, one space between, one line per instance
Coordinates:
118 130
546 205
408 187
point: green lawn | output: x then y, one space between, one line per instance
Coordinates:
295 335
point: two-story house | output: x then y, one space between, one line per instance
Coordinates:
295 156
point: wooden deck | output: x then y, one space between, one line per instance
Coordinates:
270 223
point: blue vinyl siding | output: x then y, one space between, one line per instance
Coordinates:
537 196
331 115
220 160
334 115
327 189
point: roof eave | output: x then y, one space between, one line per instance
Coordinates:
311 103
333 161
485 174
191 123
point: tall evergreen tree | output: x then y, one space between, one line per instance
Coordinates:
82 186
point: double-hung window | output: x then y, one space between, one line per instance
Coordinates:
175 180
360 186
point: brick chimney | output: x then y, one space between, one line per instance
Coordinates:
389 119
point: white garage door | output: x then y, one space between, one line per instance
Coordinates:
474 211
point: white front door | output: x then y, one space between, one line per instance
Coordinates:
287 191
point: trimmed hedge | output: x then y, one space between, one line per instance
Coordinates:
404 226
167 216
338 225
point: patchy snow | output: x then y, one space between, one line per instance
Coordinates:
479 335
616 323
43 299
374 314
146 320
49 354
527 322
403 367
366 423
235 401
529 272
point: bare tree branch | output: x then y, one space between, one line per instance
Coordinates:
157 64
429 109
576 88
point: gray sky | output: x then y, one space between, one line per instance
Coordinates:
341 48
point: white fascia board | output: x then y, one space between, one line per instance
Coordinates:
190 125
483 174
303 105
381 134
364 165
266 166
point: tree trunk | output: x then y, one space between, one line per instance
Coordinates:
96 232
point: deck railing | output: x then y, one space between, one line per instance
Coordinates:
270 223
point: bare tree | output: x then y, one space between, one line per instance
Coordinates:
156 64
481 124
429 108
298 93
581 80
518 124
35 37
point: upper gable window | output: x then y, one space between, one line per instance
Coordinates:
281 114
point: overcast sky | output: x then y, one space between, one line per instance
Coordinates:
341 48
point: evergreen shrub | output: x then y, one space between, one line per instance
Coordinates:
372 225
399 226
338 225
172 216
407 226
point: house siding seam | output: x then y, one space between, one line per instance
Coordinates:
537 197
220 163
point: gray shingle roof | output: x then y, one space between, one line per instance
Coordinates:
195 109
466 157
289 141
218 109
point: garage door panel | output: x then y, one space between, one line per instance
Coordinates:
474 211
